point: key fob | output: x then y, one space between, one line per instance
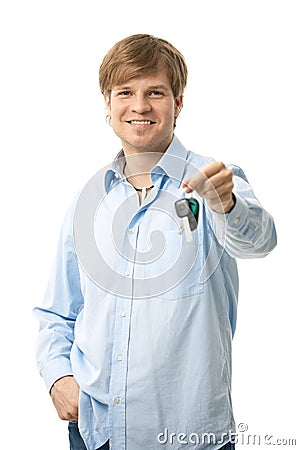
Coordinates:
194 207
184 207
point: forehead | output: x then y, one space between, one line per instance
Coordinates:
157 79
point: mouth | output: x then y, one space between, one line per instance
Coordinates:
140 122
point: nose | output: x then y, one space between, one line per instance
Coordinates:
141 104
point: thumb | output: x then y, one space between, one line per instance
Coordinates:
189 185
194 183
185 185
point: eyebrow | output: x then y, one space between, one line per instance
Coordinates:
154 87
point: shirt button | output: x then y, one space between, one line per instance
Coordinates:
236 221
120 358
123 314
127 273
117 400
131 230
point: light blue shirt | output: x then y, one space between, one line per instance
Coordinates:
143 318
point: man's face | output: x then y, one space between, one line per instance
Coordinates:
143 112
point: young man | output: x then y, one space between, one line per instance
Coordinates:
137 322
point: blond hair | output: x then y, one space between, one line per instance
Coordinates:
139 55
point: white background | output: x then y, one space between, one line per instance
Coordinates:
241 106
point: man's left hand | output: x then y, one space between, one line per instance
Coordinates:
214 184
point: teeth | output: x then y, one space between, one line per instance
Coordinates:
141 122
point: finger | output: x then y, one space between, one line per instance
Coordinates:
66 411
185 185
213 168
223 177
219 183
197 182
211 177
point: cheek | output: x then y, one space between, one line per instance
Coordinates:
170 114
170 110
117 110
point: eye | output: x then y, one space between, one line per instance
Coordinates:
156 94
124 93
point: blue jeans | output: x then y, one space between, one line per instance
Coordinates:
228 446
76 442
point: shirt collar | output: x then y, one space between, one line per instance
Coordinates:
114 170
172 164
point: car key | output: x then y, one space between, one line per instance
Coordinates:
188 216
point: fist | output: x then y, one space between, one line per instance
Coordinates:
214 184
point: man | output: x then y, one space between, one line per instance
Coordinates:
137 322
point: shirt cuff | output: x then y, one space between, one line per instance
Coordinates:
239 214
236 218
55 369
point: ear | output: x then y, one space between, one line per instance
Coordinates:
107 102
178 105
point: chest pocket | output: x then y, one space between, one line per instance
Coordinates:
175 270
185 263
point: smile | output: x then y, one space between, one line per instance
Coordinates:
140 122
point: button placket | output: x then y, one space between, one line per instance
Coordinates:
120 353
119 372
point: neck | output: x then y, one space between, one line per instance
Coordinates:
138 178
142 160
140 164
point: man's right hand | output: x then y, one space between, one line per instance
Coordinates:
65 394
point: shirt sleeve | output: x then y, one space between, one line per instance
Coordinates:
57 314
248 231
